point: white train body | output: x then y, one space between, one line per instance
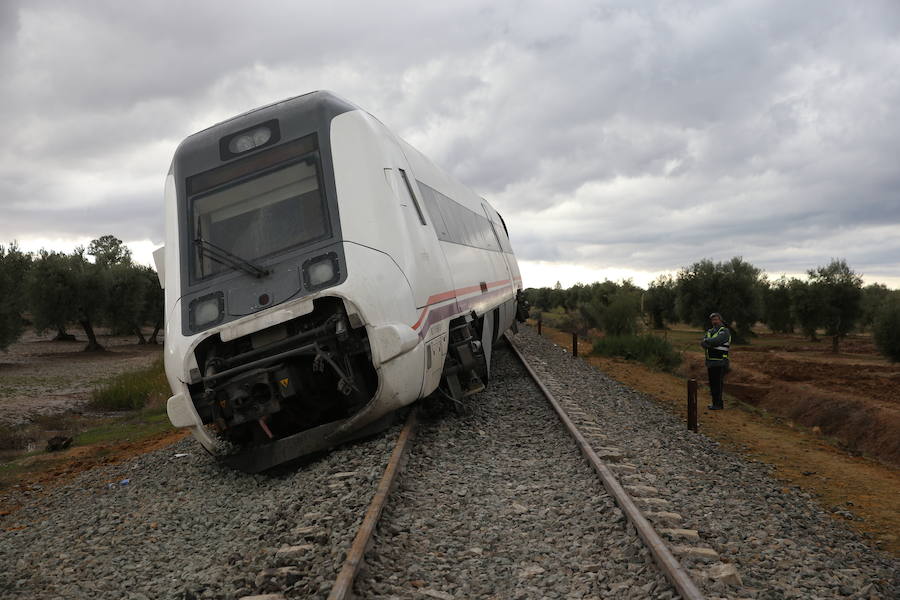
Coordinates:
321 273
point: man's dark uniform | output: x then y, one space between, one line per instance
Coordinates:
716 343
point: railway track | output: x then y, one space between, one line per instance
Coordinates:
588 437
495 503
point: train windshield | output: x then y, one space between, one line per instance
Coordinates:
257 218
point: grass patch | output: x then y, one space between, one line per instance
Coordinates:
147 423
132 391
651 350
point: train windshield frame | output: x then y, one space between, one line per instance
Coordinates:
258 215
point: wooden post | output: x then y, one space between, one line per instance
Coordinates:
539 325
574 345
692 404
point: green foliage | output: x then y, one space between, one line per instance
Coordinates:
559 318
732 288
648 349
14 266
886 331
48 287
154 302
89 294
132 391
616 314
840 289
659 301
64 288
807 305
126 307
777 311
108 250
873 297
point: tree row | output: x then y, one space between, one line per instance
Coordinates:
96 286
829 299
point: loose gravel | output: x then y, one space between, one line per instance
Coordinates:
164 526
500 503
783 544
497 503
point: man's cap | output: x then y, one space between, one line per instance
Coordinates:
715 315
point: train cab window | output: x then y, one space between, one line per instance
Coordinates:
412 195
259 217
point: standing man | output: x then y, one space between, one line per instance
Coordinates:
716 344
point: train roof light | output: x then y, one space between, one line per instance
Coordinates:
250 140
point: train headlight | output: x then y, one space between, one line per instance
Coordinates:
250 140
321 271
207 310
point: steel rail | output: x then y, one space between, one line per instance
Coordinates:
671 568
343 584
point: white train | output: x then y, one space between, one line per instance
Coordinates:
321 273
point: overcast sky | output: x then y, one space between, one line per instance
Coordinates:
618 139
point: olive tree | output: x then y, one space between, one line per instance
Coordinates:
732 288
659 301
125 309
64 288
873 297
48 290
14 266
154 303
841 291
777 308
886 330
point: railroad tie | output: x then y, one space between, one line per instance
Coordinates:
623 468
695 552
653 502
663 517
638 491
687 534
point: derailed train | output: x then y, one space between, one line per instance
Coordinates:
320 273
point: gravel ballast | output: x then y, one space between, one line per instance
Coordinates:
184 527
495 503
500 503
782 543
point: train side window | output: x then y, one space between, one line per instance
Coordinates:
437 219
415 201
456 223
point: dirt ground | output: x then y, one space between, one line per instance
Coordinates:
39 376
852 397
760 425
49 381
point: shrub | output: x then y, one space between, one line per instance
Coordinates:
132 391
886 330
648 349
615 314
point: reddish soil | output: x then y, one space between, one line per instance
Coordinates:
50 470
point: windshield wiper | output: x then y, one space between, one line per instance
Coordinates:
224 257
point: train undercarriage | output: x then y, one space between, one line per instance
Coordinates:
293 389
286 390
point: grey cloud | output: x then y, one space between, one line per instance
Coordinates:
609 132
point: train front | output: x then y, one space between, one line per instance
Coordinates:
268 331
